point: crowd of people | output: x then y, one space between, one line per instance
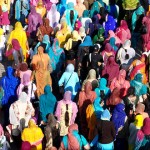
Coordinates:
79 74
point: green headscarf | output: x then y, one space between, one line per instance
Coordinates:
99 37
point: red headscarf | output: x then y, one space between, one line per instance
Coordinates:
146 126
123 24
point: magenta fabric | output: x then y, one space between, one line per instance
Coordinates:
15 44
4 18
146 126
26 146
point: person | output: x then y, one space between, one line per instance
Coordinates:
40 9
111 69
133 129
52 132
33 134
40 64
142 138
112 42
73 140
2 43
61 7
47 103
19 34
66 112
16 51
99 37
105 132
120 83
126 55
78 25
140 88
70 80
53 15
34 21
86 97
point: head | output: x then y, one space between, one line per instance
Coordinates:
23 66
82 32
78 24
95 19
32 123
108 47
70 68
138 77
124 24
26 146
111 33
140 10
18 25
91 74
101 31
97 47
111 60
40 50
26 79
138 121
85 14
67 96
131 91
122 74
102 82
146 126
126 44
70 5
47 89
9 72
140 108
105 115
23 97
45 38
40 3
46 22
112 41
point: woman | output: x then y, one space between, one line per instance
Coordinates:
99 37
27 83
138 66
133 129
140 88
131 98
70 15
111 69
120 83
108 51
33 134
112 42
16 51
78 25
66 112
40 64
20 112
70 80
126 54
106 132
86 97
74 140
53 15
80 7
34 20
142 138
123 32
47 103
63 34
52 132
40 9
19 34
71 47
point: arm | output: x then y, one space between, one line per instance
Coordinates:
58 111
62 79
74 114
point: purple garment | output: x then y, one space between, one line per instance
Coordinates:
118 116
47 4
34 20
66 100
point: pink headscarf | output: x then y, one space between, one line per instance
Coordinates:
26 79
79 24
26 146
108 48
122 75
123 24
1 131
146 126
73 143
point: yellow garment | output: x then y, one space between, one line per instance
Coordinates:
75 37
63 35
41 10
138 121
1 33
33 134
91 120
19 34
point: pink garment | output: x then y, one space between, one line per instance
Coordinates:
112 34
24 72
4 18
33 2
66 100
54 1
78 24
120 83
1 130
122 32
111 70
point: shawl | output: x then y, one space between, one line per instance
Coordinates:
139 11
47 102
62 7
146 126
112 41
57 56
110 24
9 84
78 24
95 9
53 15
99 37
87 41
118 116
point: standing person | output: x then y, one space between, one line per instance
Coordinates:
2 43
40 64
66 112
33 134
19 34
47 103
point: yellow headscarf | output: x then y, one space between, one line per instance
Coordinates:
138 121
18 26
32 123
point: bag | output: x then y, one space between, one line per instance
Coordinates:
143 29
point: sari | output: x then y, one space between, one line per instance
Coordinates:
40 63
19 34
99 38
33 134
61 7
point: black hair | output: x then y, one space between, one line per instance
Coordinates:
131 91
67 116
25 89
71 16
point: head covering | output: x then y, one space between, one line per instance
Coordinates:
112 41
108 48
23 97
26 79
139 11
138 121
46 41
91 74
25 145
146 126
126 44
70 5
18 26
85 14
32 123
118 116
67 96
87 41
15 44
122 76
123 24
105 115
79 24
70 68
